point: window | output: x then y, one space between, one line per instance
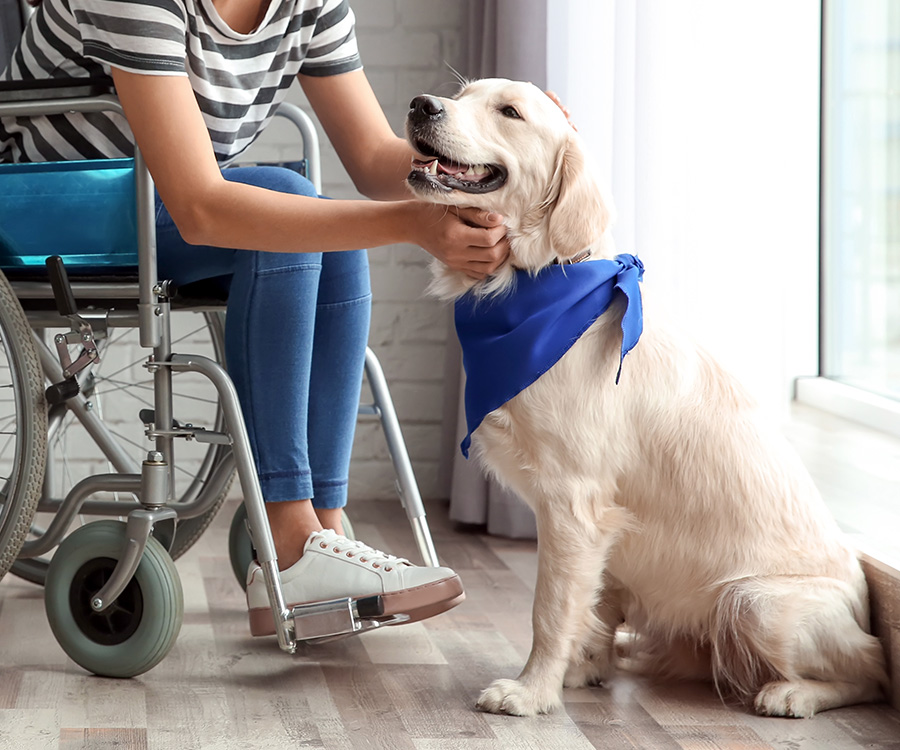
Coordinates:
860 343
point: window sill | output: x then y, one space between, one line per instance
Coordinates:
854 404
856 466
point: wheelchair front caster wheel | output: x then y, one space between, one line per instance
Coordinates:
138 629
240 548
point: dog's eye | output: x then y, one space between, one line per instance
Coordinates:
511 112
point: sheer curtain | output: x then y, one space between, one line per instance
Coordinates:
507 38
703 117
533 41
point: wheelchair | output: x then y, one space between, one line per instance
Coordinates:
102 417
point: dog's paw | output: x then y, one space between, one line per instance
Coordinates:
516 699
588 671
798 700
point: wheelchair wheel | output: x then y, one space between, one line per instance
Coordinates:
118 388
23 427
137 630
240 548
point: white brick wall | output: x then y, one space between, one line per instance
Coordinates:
408 47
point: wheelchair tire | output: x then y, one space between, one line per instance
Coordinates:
137 630
240 548
209 333
23 427
190 530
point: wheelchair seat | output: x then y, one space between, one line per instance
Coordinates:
83 211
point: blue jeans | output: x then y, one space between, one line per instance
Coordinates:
295 340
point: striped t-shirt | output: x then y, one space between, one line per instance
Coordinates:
238 79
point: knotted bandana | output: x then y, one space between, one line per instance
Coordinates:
508 342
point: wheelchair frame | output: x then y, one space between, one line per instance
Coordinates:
150 481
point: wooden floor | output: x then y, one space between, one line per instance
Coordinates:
407 687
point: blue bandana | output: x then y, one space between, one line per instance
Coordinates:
508 342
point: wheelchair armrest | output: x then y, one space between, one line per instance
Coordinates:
23 91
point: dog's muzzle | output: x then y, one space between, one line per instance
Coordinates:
438 172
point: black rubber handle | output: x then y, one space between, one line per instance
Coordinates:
62 289
59 393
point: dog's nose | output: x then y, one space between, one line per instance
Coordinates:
427 107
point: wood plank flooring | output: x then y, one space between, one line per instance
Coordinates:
406 688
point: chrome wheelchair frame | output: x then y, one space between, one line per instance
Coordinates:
151 481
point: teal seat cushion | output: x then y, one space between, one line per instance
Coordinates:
83 211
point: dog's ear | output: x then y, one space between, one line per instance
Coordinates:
579 215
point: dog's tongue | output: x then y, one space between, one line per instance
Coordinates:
451 167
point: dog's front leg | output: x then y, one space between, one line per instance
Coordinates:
571 557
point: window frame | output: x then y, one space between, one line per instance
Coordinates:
851 402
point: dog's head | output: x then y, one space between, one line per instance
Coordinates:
505 146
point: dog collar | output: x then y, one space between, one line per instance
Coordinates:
509 341
583 255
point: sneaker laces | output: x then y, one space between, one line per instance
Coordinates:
366 554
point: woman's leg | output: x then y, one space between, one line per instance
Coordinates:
272 303
295 344
269 342
339 347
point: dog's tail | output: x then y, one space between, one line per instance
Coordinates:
768 629
740 661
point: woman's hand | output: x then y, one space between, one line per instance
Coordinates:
467 239
565 110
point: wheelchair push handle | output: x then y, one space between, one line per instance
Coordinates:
62 290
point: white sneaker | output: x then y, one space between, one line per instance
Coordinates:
334 567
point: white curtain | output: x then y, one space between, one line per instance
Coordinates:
532 41
507 38
703 118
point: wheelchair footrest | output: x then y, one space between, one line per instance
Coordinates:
339 618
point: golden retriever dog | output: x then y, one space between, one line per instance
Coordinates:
667 510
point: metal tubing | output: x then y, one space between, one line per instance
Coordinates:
406 480
422 534
241 446
81 289
260 531
214 485
112 318
72 504
122 507
41 107
137 532
284 620
148 309
108 508
122 574
162 390
310 139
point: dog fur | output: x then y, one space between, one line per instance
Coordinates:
667 509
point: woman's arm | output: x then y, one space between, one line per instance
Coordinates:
170 131
374 157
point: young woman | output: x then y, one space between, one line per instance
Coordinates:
198 81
